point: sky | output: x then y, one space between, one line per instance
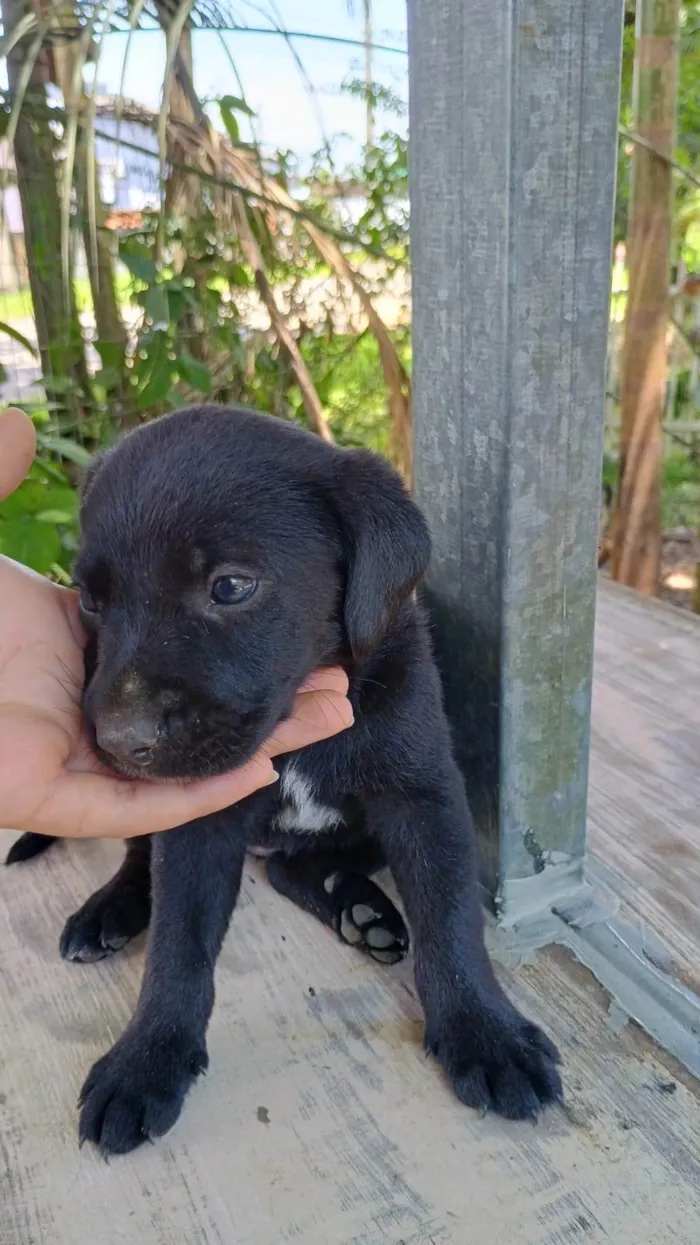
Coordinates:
288 116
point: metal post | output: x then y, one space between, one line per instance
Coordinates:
513 155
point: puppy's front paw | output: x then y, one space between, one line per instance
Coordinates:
105 923
498 1061
136 1091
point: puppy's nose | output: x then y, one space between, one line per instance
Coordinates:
131 742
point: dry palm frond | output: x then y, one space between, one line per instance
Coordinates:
249 246
189 117
211 154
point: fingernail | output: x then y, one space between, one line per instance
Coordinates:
274 777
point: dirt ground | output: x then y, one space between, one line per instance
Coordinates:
680 558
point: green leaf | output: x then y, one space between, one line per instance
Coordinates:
9 331
238 275
232 126
60 384
61 574
62 498
140 265
156 388
110 354
54 516
235 104
160 369
229 105
36 545
43 470
27 499
42 502
176 305
71 450
176 400
155 304
194 372
107 377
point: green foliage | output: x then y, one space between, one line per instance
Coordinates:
680 487
195 328
190 321
9 331
38 522
229 105
351 386
680 490
376 94
624 150
385 222
195 339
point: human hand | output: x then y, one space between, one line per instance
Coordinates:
51 782
17 449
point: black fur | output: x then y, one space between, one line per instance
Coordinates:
28 846
338 548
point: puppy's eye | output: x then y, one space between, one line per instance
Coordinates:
232 589
88 603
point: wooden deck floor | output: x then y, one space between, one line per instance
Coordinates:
644 806
320 1120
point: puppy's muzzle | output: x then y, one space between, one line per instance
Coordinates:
133 722
130 741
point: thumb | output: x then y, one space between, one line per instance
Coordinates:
17 448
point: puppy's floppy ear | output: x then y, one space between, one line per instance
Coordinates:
387 546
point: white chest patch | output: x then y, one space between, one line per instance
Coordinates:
300 811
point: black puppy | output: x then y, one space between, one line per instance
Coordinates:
225 555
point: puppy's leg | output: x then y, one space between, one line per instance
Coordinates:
27 846
334 887
116 913
495 1058
136 1091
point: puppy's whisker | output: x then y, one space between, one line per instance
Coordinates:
361 680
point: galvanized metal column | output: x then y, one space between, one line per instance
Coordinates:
513 156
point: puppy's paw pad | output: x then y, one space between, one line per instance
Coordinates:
136 1091
366 918
507 1066
106 923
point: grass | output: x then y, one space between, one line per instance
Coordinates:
680 491
17 304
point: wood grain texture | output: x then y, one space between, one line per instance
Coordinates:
644 799
321 1121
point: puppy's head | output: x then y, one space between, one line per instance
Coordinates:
224 555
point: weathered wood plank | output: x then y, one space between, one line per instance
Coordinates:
644 803
321 1120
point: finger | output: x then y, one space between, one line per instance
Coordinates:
70 603
326 678
92 806
315 716
17 449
